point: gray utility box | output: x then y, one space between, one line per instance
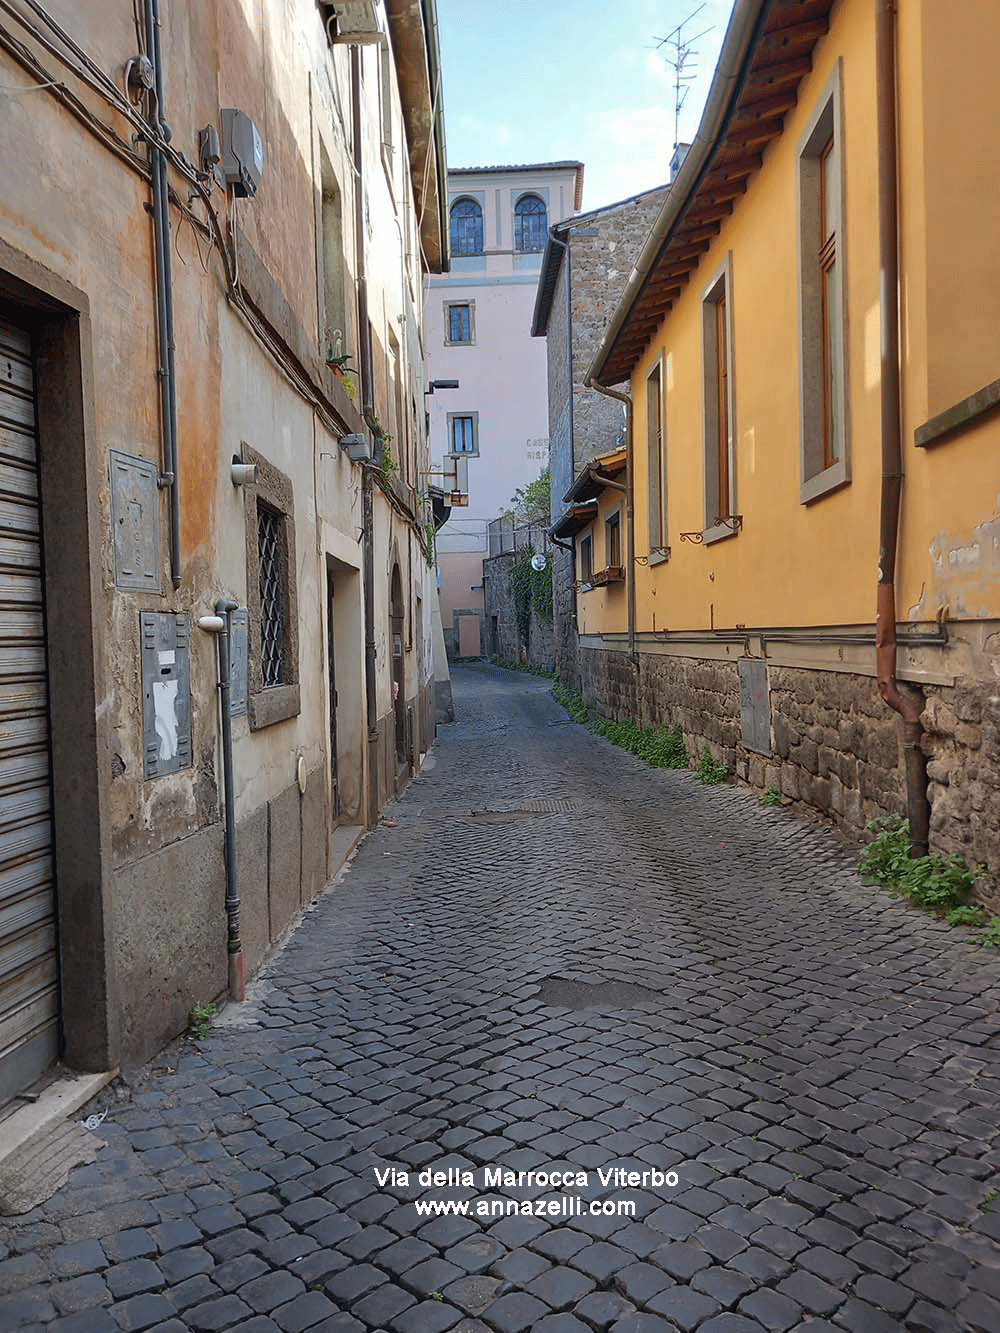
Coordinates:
755 705
242 152
166 693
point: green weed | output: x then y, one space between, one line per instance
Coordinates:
771 797
199 1020
965 916
660 747
939 884
571 701
990 938
710 771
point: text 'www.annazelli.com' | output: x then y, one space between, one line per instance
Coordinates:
563 1205
569 1205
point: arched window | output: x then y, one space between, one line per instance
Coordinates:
466 227
530 223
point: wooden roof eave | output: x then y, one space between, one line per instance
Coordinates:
778 62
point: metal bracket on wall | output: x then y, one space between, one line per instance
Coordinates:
732 521
695 537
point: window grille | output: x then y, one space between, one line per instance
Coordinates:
272 597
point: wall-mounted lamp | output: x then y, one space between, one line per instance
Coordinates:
441 384
242 474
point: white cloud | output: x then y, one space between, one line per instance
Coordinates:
642 125
504 136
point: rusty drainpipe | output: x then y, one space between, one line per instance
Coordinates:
892 464
629 513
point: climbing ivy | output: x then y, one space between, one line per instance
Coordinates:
530 588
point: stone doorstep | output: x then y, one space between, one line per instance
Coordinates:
60 1100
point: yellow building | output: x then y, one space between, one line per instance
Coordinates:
812 319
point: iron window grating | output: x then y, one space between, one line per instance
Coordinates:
272 596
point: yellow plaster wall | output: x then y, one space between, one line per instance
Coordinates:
815 565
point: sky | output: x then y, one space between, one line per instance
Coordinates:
547 80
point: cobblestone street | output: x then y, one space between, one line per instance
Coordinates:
555 958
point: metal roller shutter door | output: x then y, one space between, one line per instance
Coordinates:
29 970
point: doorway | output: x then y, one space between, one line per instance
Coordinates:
29 963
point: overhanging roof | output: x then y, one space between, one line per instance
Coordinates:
414 37
766 53
553 256
594 478
574 519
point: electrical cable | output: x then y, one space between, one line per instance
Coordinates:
94 77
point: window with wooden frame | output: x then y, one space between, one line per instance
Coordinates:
823 355
463 433
656 466
721 519
459 323
586 558
613 541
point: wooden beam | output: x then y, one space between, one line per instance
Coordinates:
733 163
778 72
777 104
792 35
664 291
762 133
711 209
698 231
687 252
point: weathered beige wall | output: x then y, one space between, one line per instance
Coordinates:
83 215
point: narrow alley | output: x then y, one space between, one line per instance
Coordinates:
550 957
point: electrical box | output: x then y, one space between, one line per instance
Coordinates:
242 152
239 661
351 21
135 522
166 693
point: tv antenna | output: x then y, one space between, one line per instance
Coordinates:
679 55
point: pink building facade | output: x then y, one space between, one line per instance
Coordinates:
478 331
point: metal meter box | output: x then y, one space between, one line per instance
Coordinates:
755 705
166 693
242 152
135 522
239 661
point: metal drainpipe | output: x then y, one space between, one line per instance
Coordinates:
892 465
367 408
568 257
629 512
164 295
219 625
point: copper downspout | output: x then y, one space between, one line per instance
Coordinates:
629 512
892 463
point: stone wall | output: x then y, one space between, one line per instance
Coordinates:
836 746
564 617
583 423
962 741
503 637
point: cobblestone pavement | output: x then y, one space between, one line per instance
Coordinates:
611 966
